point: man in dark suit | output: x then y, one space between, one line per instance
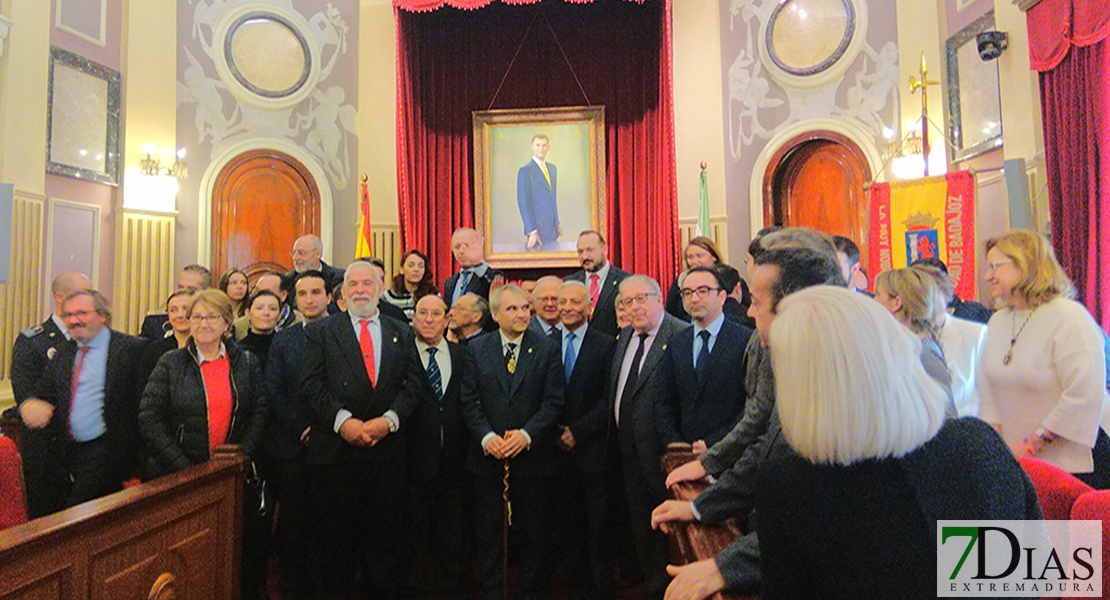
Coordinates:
82 436
287 433
436 518
698 400
601 278
307 254
736 460
536 186
511 407
632 386
582 495
361 374
36 347
474 276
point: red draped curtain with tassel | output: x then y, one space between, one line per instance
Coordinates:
1068 46
453 59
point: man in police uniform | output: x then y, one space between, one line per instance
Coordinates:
36 346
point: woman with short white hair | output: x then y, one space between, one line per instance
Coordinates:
854 514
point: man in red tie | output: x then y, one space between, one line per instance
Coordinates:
361 376
82 431
602 278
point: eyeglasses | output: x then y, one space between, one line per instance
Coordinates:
79 313
638 299
297 253
994 266
702 291
210 319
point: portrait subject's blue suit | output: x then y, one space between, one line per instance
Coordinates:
537 201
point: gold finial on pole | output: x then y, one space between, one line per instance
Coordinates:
703 166
923 84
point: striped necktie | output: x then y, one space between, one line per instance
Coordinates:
434 376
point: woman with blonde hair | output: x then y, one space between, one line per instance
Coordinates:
1043 372
875 451
912 298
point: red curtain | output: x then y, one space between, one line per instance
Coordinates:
1068 44
451 62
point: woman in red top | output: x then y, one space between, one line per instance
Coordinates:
205 395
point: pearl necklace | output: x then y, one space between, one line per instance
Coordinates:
1014 336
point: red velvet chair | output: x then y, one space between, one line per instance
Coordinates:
1095 506
1056 488
13 506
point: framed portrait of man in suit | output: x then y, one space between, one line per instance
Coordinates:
539 180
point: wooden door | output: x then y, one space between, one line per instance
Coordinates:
816 180
262 201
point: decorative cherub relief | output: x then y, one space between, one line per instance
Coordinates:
753 96
322 123
327 115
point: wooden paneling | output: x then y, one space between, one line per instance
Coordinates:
22 293
262 201
144 268
177 534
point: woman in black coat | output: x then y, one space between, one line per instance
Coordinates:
179 401
205 395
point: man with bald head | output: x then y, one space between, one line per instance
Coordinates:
307 255
582 521
360 380
464 320
474 276
36 346
436 518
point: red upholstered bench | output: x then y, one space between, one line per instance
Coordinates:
13 506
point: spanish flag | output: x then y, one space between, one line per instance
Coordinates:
932 217
364 247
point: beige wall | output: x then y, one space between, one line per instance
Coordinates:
377 122
23 84
699 118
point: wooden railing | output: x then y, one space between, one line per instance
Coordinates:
691 542
175 536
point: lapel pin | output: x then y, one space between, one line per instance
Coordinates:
664 346
394 340
529 351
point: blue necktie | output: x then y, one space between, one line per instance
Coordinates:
703 354
434 376
464 281
569 356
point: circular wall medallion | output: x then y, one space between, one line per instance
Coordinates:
805 37
267 54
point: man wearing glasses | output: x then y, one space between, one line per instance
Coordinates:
82 430
632 384
307 255
699 400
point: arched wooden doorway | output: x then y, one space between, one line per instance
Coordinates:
262 201
816 180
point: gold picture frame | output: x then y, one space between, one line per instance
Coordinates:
513 191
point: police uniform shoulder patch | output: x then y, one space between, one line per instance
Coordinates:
31 332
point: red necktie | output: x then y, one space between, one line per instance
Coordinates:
367 344
81 353
593 291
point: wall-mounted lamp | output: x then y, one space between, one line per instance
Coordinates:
151 167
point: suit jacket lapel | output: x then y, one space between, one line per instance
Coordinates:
618 360
390 348
654 355
608 290
347 342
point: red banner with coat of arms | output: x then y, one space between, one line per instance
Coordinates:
932 217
